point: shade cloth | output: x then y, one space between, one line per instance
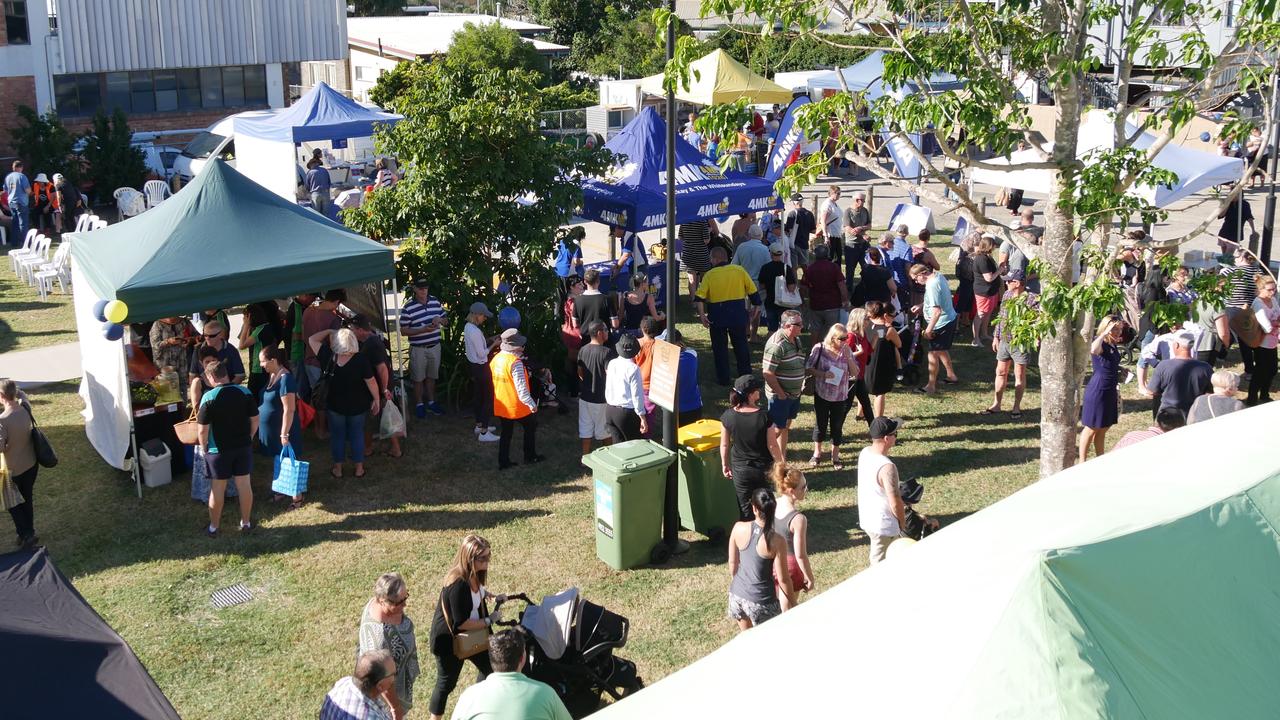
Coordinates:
1196 170
633 193
60 658
221 241
717 78
1141 584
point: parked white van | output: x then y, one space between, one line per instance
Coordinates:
217 140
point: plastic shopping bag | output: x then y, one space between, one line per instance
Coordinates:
392 424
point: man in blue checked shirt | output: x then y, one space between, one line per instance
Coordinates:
421 320
360 696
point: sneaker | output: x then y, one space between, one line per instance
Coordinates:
487 437
210 531
246 527
435 408
420 410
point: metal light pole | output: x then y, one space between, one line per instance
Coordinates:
670 418
1272 142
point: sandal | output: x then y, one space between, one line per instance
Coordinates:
814 462
1015 414
336 473
295 505
989 411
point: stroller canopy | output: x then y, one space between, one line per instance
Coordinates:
551 621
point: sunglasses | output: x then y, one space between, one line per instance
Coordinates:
400 602
211 335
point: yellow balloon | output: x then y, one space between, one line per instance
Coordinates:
116 311
898 547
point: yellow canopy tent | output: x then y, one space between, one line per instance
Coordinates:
718 78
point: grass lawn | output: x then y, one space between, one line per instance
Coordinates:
148 569
28 322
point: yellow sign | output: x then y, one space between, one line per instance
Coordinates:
662 379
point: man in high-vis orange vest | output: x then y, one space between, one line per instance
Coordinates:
513 400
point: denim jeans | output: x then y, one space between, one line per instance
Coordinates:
346 430
21 224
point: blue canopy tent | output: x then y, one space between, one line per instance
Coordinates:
266 147
868 75
632 194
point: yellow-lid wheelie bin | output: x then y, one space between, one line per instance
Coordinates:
630 481
708 503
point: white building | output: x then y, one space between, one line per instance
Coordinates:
378 44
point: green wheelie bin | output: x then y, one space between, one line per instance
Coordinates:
630 481
708 503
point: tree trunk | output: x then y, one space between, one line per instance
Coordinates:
1058 370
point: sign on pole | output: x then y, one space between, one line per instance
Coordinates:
662 378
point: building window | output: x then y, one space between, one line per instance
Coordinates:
151 91
364 73
16 29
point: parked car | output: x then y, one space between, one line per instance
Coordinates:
217 140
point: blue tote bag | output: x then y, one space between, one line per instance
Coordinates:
291 479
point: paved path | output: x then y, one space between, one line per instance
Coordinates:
62 362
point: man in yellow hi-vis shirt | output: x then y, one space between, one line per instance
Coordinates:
721 301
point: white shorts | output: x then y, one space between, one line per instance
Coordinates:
591 421
424 362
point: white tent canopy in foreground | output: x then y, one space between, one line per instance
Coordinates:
1142 584
1196 170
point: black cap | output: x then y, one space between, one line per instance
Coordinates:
628 347
910 491
360 321
421 283
746 384
883 427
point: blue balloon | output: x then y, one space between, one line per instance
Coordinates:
1204 136
112 331
508 317
100 310
504 287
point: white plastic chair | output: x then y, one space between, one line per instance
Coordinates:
98 224
28 246
156 191
129 202
59 269
82 222
28 264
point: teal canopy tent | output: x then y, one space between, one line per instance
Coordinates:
222 241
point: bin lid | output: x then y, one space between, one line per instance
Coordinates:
629 456
701 435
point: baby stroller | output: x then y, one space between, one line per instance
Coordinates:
570 644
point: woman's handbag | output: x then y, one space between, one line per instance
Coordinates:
784 296
10 496
467 642
320 392
291 480
1245 326
44 449
188 431
306 413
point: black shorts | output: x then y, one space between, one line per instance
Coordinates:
943 337
228 464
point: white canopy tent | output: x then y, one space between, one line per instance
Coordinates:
1114 589
1196 170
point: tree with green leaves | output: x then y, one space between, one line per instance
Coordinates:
494 47
45 144
572 21
483 192
1092 198
624 44
113 160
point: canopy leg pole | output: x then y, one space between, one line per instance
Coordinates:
133 431
395 328
670 418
